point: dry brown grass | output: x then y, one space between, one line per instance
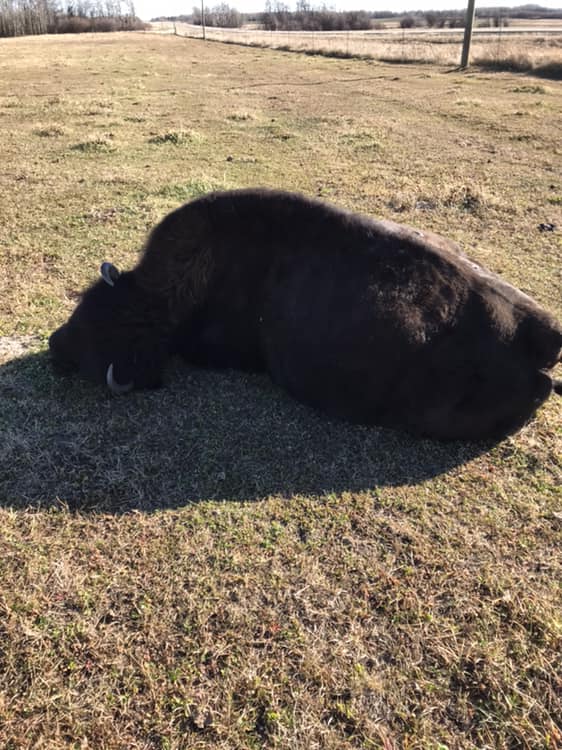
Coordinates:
213 565
538 52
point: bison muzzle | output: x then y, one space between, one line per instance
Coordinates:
368 321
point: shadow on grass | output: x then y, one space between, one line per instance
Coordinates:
206 435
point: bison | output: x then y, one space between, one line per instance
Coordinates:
368 321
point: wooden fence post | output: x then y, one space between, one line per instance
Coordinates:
467 33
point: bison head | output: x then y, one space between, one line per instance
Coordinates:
116 336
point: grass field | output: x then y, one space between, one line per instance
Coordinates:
213 565
521 47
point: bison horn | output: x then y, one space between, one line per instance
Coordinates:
113 385
109 273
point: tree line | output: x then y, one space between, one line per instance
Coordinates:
22 17
277 16
221 15
451 19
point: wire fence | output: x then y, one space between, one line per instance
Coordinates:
532 47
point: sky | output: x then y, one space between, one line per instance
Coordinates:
147 9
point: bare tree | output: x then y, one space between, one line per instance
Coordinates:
18 17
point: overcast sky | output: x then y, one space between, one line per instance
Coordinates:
147 9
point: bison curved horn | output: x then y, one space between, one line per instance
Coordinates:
109 273
114 386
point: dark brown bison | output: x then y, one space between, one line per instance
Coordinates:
365 320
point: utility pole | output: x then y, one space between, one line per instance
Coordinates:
203 17
469 23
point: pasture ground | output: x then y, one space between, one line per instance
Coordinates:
213 565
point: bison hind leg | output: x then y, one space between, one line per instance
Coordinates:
505 402
472 402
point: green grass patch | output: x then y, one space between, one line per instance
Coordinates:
52 131
531 89
241 117
189 190
95 144
176 138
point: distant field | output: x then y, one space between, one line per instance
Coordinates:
519 46
213 565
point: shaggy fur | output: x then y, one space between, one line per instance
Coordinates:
369 321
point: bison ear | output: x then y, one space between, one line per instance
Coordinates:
109 273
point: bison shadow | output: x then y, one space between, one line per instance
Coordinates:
219 435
